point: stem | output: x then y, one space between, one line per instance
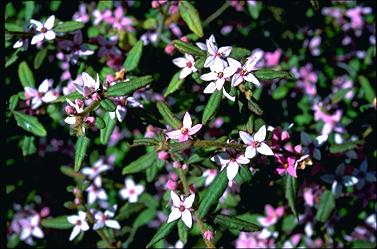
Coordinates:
200 223
90 108
216 14
161 23
209 143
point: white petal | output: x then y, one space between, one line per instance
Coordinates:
321 139
112 115
50 35
260 135
175 198
37 232
251 78
70 120
232 170
98 225
180 62
250 152
72 219
49 97
225 51
245 137
74 233
187 123
88 80
96 85
217 65
219 83
234 63
222 158
129 183
237 79
187 218
113 224
228 96
37 38
209 61
194 129
124 193
139 189
229 71
212 38
82 215
201 45
44 86
174 215
49 22
189 201
18 44
211 88
26 232
209 76
84 226
185 72
241 159
37 24
120 112
250 64
176 134
211 47
349 181
265 150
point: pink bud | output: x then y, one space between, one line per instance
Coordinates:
155 4
75 191
169 49
176 164
90 121
163 155
192 189
184 39
77 201
79 103
173 176
172 185
44 212
298 149
208 235
69 110
284 135
185 166
96 97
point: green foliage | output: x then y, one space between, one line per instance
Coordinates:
69 26
236 223
212 106
128 87
167 115
191 16
30 124
81 147
134 57
140 164
175 84
59 222
162 232
326 206
25 75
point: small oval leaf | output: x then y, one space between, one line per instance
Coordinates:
127 88
82 144
30 124
134 56
211 108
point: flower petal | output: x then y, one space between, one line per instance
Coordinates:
49 22
209 61
211 47
189 201
251 78
194 129
187 123
260 135
250 152
236 79
209 76
211 88
228 96
72 219
225 51
174 134
38 24
70 120
174 215
175 198
180 62
76 230
112 224
241 159
50 35
265 150
221 158
185 72
187 218
245 137
253 60
37 38
232 170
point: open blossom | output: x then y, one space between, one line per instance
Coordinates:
232 161
95 191
121 107
44 30
330 120
88 86
363 175
74 109
108 47
307 79
216 55
272 58
186 130
80 224
256 143
30 227
187 64
103 219
312 145
181 208
119 21
44 93
203 46
272 215
131 191
98 168
76 47
243 73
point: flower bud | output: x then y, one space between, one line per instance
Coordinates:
90 121
176 164
185 166
208 235
96 97
169 49
184 39
79 103
69 110
77 201
172 185
163 155
44 212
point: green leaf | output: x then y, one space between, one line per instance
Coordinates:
12 58
212 106
134 56
191 16
243 175
129 209
340 95
167 115
175 84
145 141
340 148
72 96
144 217
27 145
13 102
151 173
369 92
141 163
182 231
29 8
253 10
291 186
12 27
326 206
108 130
69 26
127 88
187 48
59 222
163 232
82 144
178 147
269 74
236 223
30 124
100 123
239 53
254 107
108 105
39 58
25 75
280 92
213 194
68 171
54 5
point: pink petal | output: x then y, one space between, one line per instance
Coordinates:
194 129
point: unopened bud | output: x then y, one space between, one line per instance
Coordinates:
172 185
44 212
163 155
69 110
176 164
90 121
96 97
79 103
169 49
77 201
185 166
184 39
208 235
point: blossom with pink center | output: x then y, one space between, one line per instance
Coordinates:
103 219
76 47
44 30
75 109
216 55
81 15
88 86
272 58
121 107
256 143
98 167
210 175
95 191
187 64
356 16
243 73
232 161
286 165
80 224
307 79
30 227
203 46
272 215
181 208
131 191
186 130
119 21
44 93
330 120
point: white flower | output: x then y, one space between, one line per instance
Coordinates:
104 219
71 119
203 46
95 191
98 168
231 161
121 107
181 208
42 94
215 59
256 143
80 224
131 191
88 86
30 227
44 30
243 73
187 64
186 131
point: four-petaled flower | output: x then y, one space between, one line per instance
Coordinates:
215 59
44 93
243 73
30 227
80 224
131 191
231 161
44 30
186 130
104 219
181 208
98 168
256 143
363 175
95 191
88 86
272 215
187 64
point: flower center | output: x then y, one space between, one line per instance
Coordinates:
189 64
132 191
218 54
44 30
182 208
220 75
78 223
184 131
255 144
285 165
243 72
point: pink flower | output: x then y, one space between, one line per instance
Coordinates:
287 165
272 58
208 235
356 17
243 73
307 79
131 191
80 224
231 161
119 21
171 185
330 120
187 64
309 196
272 215
44 93
95 191
186 130
81 15
216 55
